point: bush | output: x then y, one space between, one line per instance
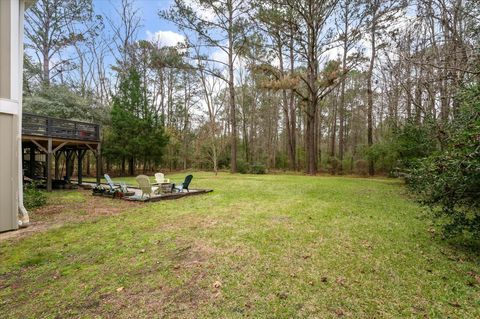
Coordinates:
361 167
33 197
333 165
347 165
281 160
448 182
257 168
413 141
242 167
251 168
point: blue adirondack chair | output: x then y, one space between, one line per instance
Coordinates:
184 185
122 186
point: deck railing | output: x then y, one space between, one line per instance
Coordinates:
40 125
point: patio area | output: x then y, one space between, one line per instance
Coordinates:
137 193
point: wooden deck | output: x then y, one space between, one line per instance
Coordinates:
44 126
46 139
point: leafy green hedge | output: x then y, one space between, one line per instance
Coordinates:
448 182
33 197
251 168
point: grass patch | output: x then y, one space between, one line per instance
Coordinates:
258 246
65 197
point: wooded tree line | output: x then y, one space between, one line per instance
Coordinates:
337 85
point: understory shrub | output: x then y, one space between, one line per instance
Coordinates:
257 168
281 160
448 182
361 167
242 167
33 197
413 141
333 165
384 155
348 165
251 168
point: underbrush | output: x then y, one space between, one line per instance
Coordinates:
33 197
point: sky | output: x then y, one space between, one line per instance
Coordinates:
151 24
153 28
165 33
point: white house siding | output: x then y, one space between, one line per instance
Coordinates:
11 58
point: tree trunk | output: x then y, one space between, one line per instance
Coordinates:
333 132
244 128
131 166
311 140
46 69
293 115
286 107
418 99
231 90
312 76
341 110
371 168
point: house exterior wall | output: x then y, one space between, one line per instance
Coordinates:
11 60
5 50
8 172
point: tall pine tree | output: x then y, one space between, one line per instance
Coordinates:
135 135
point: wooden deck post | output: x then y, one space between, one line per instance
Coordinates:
57 164
80 154
99 164
31 169
88 163
49 165
69 163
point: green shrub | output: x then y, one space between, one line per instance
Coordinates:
401 146
257 168
413 141
361 167
251 168
242 167
281 160
448 182
384 155
347 165
33 197
333 165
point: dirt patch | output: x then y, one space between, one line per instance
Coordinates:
153 296
189 253
55 215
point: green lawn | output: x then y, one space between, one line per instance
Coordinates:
271 246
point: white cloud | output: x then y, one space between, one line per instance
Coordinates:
165 38
334 53
219 55
203 12
275 62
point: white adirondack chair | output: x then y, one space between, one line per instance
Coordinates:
145 185
160 178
